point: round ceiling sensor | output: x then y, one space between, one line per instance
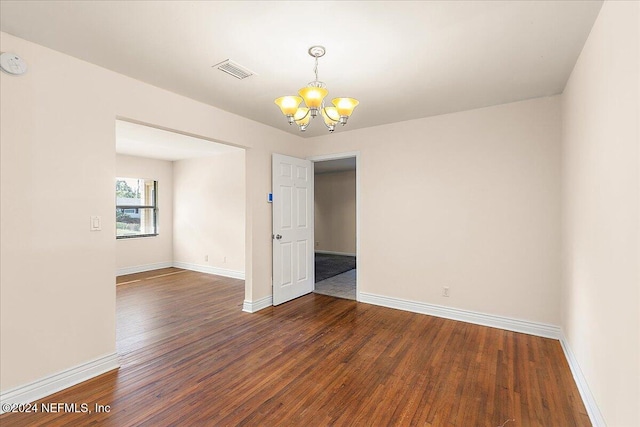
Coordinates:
11 63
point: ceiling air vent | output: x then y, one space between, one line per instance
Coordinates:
236 70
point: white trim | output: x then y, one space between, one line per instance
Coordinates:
335 156
583 387
53 383
335 253
509 324
257 305
358 219
142 268
234 274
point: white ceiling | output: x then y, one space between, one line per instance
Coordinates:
143 141
402 60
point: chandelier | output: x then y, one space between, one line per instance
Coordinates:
313 95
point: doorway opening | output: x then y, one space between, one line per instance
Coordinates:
335 225
179 203
193 191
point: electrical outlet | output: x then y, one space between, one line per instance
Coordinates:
445 291
317 244
206 258
224 260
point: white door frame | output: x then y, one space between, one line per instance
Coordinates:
338 156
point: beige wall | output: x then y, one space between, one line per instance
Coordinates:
148 251
57 293
467 200
335 212
209 211
601 212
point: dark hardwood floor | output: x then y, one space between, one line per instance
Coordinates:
190 356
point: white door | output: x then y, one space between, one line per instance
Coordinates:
293 252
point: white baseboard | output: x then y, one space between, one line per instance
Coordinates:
234 274
257 305
335 253
515 325
142 268
53 383
185 265
581 382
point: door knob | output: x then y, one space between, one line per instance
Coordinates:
278 236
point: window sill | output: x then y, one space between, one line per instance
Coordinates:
136 236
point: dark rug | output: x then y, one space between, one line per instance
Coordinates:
332 265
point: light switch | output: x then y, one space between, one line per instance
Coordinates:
96 223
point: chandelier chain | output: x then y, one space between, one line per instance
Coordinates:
315 69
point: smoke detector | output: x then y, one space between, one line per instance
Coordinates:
234 69
12 64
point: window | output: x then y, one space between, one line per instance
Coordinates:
136 208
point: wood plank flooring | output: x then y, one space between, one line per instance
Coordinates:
190 356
